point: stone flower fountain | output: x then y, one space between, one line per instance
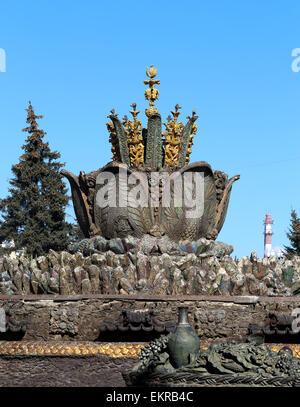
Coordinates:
153 159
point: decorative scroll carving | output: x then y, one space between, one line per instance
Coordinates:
223 196
113 139
12 328
188 133
137 321
135 140
173 136
279 326
189 150
83 191
120 145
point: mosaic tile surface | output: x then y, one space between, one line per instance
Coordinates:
116 350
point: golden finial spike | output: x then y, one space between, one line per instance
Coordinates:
152 93
176 113
173 138
134 138
134 112
152 72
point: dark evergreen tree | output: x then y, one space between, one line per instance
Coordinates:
294 235
76 233
34 212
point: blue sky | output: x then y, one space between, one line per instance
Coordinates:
229 60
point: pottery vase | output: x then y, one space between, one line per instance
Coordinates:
184 344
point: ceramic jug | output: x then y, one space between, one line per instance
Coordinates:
184 344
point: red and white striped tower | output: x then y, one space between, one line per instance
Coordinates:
268 235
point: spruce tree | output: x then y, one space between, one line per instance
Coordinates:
33 214
294 235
